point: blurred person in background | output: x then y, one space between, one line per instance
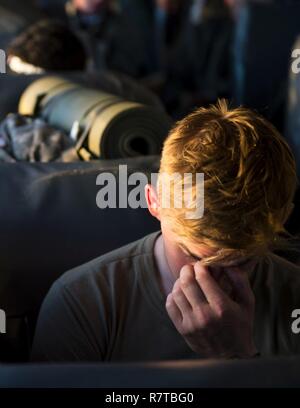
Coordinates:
170 18
235 6
106 28
110 40
146 33
204 73
160 24
188 46
47 45
188 49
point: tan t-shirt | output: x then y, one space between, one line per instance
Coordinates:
113 309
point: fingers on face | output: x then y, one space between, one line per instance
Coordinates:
180 298
185 297
215 296
191 288
173 311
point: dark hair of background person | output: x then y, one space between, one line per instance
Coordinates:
50 45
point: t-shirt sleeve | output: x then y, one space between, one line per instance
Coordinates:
63 331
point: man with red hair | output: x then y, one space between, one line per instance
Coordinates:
202 287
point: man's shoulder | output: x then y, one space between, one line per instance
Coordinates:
276 285
119 260
279 275
282 268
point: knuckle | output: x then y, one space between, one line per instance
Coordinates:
198 311
221 310
186 270
186 281
202 319
169 301
186 277
201 272
187 329
206 321
176 291
176 285
200 323
184 331
186 267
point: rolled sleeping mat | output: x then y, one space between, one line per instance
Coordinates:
106 126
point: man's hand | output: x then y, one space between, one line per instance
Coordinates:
213 324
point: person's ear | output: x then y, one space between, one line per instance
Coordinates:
152 201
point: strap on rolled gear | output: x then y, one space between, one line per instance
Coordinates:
35 94
110 126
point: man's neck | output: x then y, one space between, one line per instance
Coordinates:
166 278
